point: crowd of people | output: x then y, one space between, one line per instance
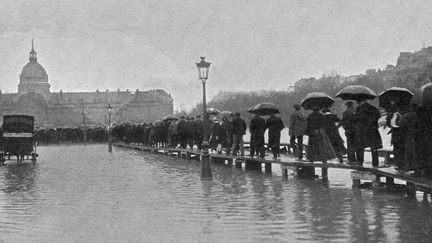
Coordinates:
410 130
75 135
225 133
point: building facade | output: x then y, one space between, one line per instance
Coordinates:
72 109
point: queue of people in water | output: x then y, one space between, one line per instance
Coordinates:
409 118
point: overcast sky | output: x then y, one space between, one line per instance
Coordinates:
253 45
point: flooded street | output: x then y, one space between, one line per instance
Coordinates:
77 193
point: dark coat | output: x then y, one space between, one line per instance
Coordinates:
239 126
332 131
274 125
297 124
228 128
217 134
319 145
348 121
183 128
367 133
196 127
314 122
423 136
396 134
257 129
408 128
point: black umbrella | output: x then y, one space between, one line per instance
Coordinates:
213 111
423 96
319 99
398 96
356 92
263 109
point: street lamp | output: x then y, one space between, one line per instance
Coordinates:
203 70
109 111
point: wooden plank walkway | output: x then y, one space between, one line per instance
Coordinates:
286 162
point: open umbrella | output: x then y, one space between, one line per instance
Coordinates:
319 99
356 92
213 111
170 118
400 97
423 96
263 109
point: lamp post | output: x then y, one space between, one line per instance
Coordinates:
109 110
203 70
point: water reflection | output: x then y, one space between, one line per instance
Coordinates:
77 193
19 177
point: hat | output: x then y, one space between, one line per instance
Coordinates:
182 117
236 114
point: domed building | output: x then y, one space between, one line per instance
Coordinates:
33 77
72 109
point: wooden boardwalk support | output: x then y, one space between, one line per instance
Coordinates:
302 168
268 167
238 163
324 173
284 169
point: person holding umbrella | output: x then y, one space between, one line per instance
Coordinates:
331 127
366 121
257 129
423 134
296 130
258 126
275 126
367 132
408 126
319 146
395 101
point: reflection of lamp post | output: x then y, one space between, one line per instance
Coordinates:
203 69
109 110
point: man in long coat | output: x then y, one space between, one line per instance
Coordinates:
367 133
239 129
183 131
228 128
275 126
348 123
257 129
297 129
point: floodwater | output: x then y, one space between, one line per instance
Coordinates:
78 193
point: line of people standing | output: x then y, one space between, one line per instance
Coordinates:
226 133
324 140
229 133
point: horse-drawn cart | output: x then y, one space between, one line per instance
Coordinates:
18 138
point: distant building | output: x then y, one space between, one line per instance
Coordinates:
417 59
76 108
